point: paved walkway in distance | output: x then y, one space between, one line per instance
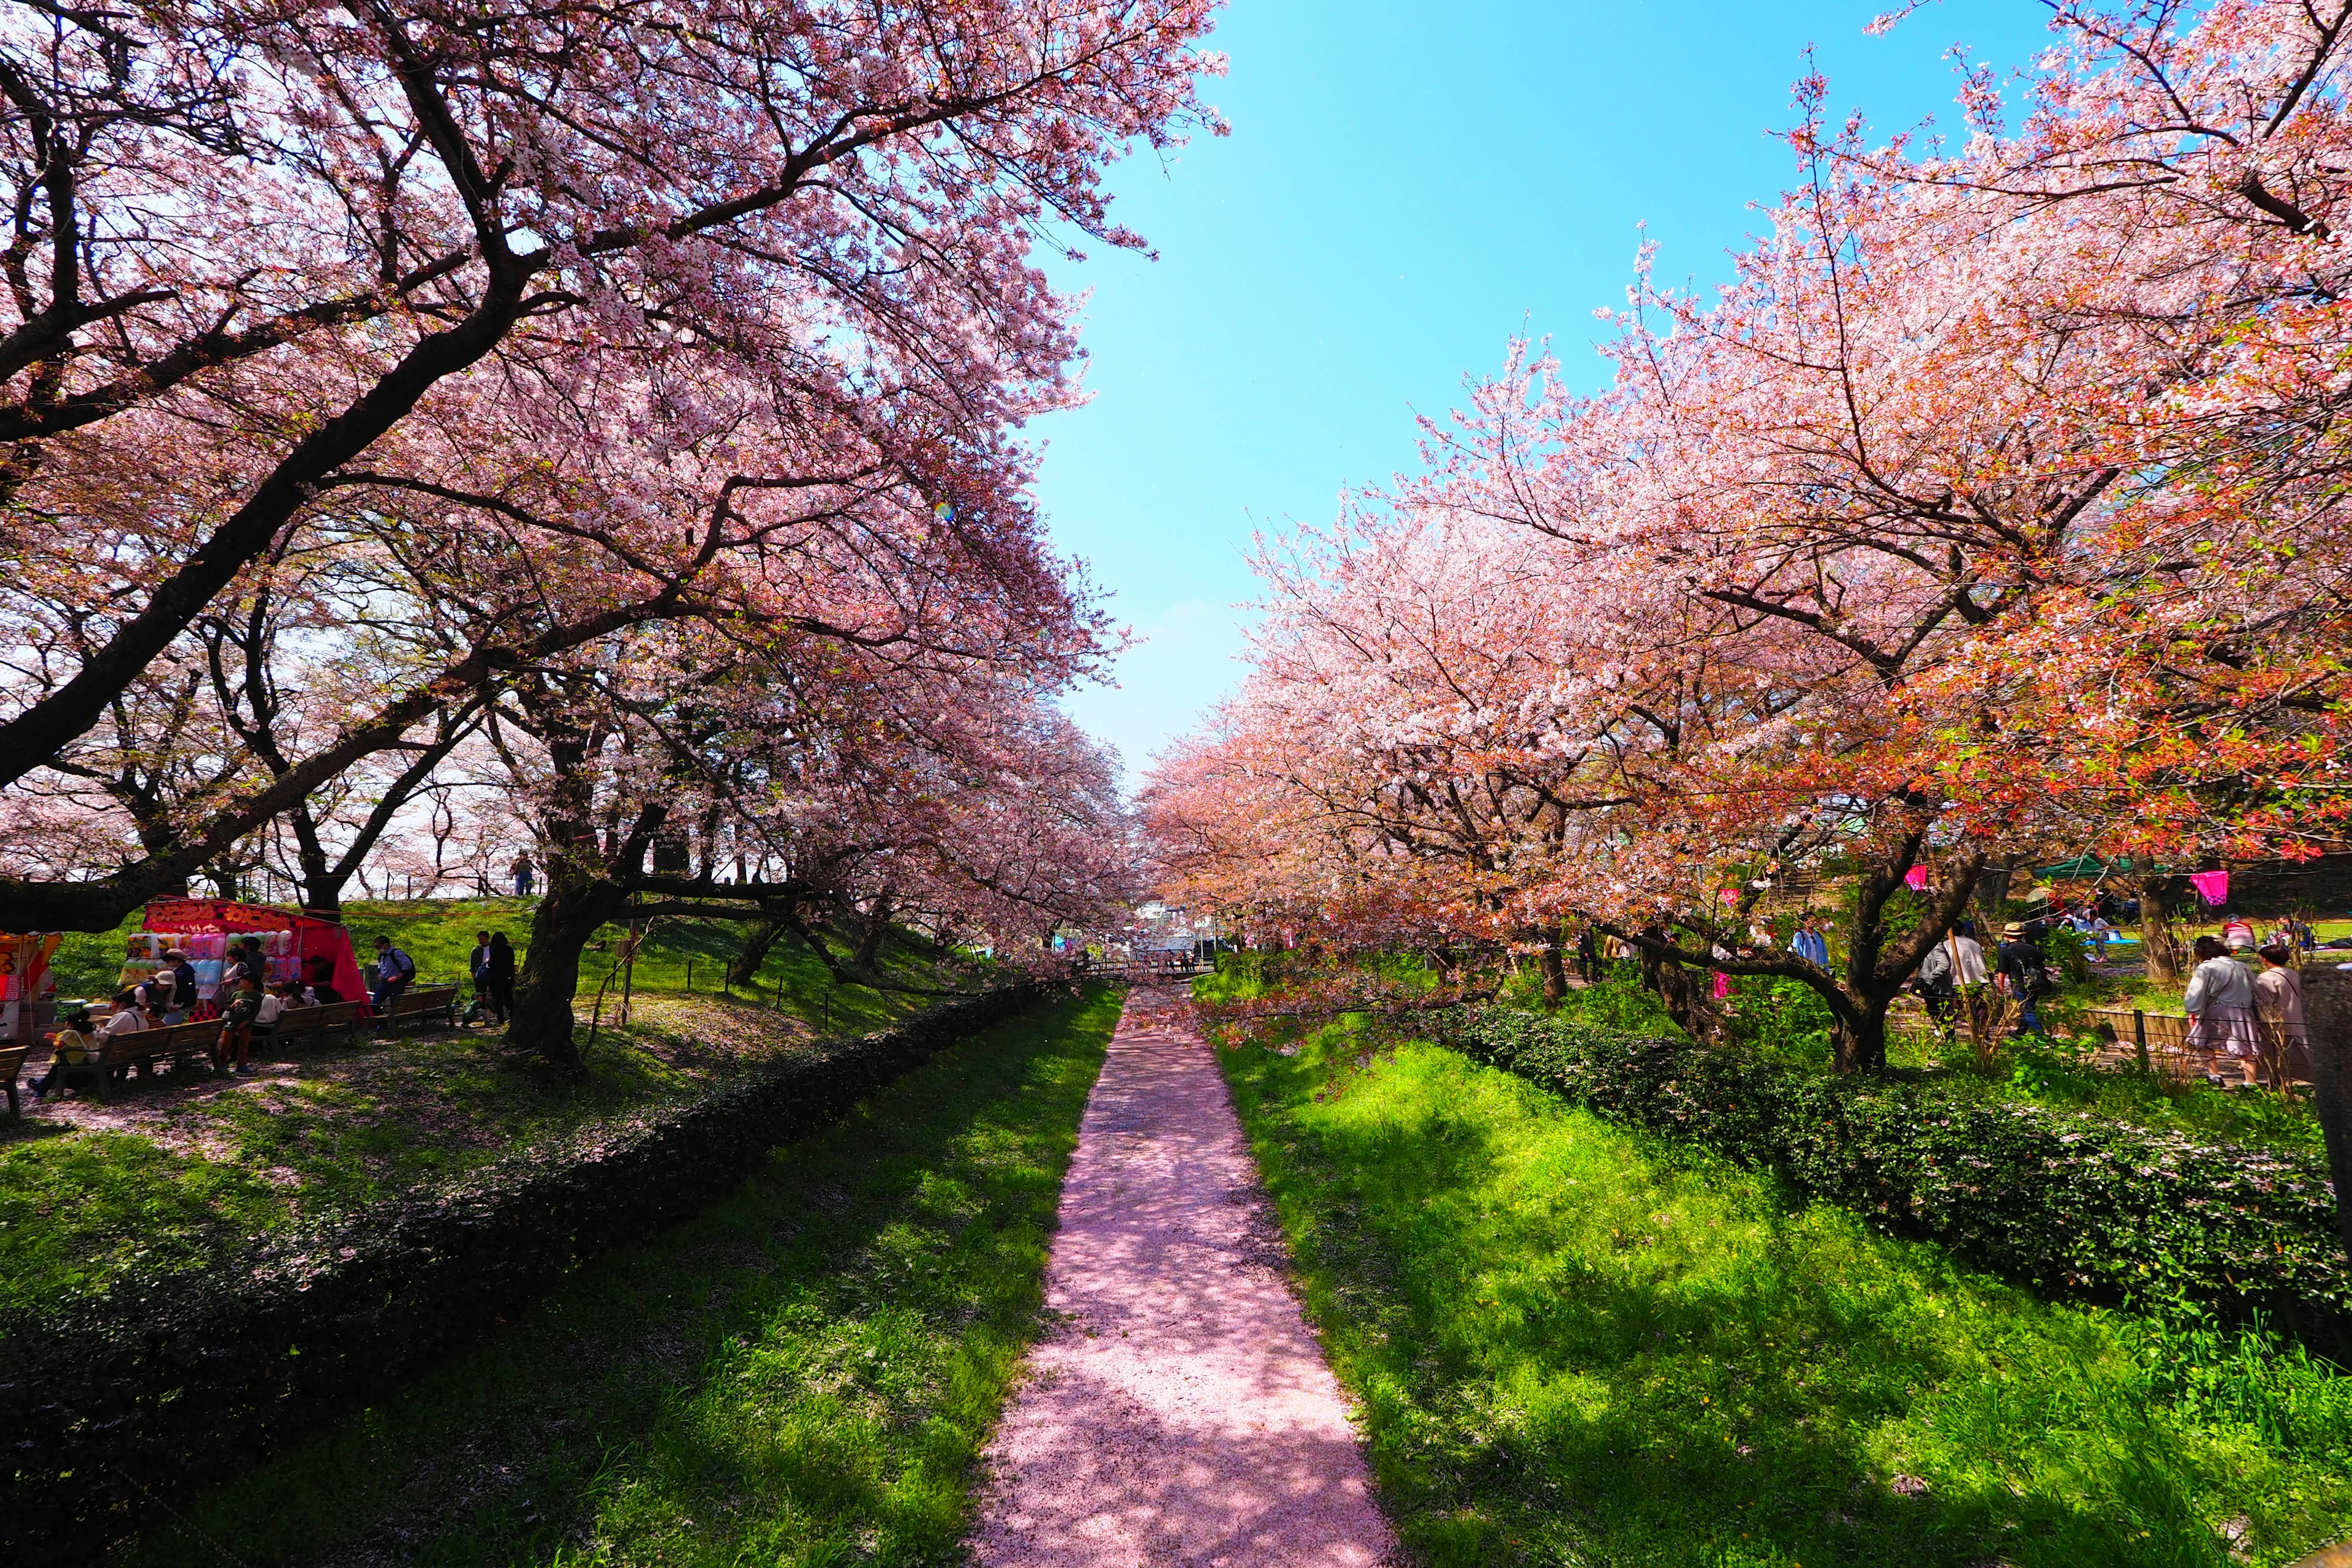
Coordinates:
1179 1414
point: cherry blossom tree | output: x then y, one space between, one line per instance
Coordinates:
271 268
1989 515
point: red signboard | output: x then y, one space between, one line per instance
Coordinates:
215 914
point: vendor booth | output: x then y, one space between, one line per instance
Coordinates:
28 987
297 947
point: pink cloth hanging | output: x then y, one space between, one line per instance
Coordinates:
1916 879
2213 887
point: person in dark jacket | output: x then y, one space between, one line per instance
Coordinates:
499 969
181 980
238 1012
2025 975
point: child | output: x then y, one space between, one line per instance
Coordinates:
236 1025
69 1047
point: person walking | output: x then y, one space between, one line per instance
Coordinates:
1971 985
2278 1019
2219 1001
394 971
1934 983
521 870
500 969
2026 977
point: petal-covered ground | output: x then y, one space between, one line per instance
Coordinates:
1179 1413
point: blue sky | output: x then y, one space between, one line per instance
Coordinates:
1408 184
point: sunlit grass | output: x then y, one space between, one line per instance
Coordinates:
1578 1345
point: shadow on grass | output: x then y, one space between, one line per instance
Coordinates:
803 1374
1577 1346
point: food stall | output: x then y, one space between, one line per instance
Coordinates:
28 987
297 947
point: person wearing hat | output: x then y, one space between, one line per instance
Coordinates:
69 1047
2024 974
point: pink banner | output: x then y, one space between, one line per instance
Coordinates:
2213 887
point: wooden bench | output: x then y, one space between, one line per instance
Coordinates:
420 1004
12 1062
143 1048
2155 1041
327 1019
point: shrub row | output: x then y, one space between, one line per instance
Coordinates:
111 1411
2063 1201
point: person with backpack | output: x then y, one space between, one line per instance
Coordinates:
394 971
2025 975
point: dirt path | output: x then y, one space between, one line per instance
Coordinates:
1179 1415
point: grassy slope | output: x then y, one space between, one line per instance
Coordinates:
802 1376
438 934
1574 1345
79 1208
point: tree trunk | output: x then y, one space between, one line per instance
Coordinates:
2327 1009
549 978
2160 898
1555 973
1992 894
1686 994
877 926
1858 1036
756 948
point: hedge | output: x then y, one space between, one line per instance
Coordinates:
2065 1202
113 1410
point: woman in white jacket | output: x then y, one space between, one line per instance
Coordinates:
2221 1004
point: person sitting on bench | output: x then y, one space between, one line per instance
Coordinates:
394 971
130 1015
69 1047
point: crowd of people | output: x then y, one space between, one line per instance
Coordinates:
249 1008
2243 999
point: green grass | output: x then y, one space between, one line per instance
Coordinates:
438 934
196 1175
1576 1345
802 1376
